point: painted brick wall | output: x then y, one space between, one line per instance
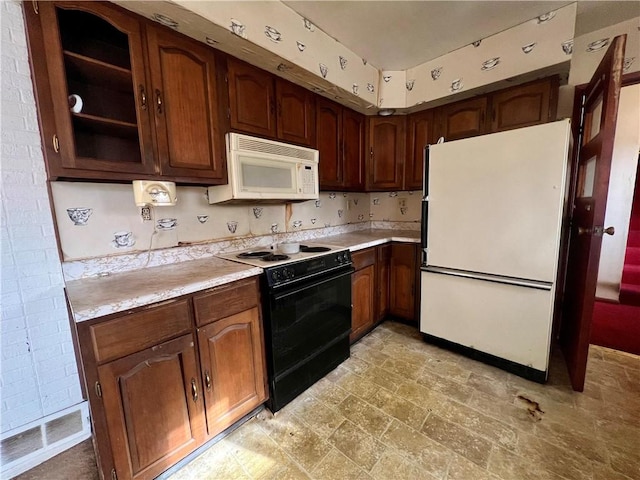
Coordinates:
38 374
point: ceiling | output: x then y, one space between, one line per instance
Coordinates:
397 35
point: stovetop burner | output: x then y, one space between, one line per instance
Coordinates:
274 257
306 248
255 254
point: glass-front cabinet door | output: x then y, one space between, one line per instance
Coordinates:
96 72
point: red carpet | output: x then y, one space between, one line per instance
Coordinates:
616 326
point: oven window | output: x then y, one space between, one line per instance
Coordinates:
307 320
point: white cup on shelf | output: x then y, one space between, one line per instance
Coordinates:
75 103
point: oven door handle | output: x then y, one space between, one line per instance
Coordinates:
295 291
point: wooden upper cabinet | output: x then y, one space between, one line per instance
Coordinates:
462 119
524 105
263 105
329 143
386 153
340 134
94 51
251 99
154 408
419 135
296 113
184 98
353 135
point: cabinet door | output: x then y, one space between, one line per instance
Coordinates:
353 124
184 101
329 143
383 259
462 119
419 135
404 262
251 99
296 113
386 153
363 293
525 105
95 51
154 408
233 368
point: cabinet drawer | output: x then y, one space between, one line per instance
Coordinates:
226 300
364 258
134 332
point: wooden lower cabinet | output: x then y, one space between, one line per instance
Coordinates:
403 272
363 293
153 407
383 264
233 366
164 379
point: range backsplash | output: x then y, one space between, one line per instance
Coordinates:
97 220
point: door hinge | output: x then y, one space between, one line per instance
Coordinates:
114 475
98 389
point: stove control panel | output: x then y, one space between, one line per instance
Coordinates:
302 269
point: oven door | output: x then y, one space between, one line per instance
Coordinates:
307 333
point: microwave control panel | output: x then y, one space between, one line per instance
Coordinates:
308 179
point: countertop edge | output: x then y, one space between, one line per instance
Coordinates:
146 300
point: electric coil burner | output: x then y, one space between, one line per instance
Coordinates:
252 254
307 315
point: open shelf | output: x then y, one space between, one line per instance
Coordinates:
104 126
90 70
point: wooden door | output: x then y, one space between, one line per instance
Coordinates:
184 101
419 135
95 51
404 263
296 114
386 153
383 259
462 119
329 143
154 408
363 293
233 368
251 99
524 105
589 193
353 125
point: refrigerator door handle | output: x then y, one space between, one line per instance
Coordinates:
518 282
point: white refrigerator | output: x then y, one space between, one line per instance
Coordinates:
492 220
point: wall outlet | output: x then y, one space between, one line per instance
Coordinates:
402 202
145 213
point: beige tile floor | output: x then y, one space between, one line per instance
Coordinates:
402 409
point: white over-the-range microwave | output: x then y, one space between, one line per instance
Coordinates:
264 170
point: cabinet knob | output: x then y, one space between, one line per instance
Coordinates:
159 101
194 390
56 144
207 380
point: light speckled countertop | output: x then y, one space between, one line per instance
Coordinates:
98 296
370 238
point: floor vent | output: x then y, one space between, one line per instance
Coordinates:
30 445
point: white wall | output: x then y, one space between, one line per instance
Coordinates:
620 198
38 375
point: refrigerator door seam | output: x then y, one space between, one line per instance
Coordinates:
519 282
